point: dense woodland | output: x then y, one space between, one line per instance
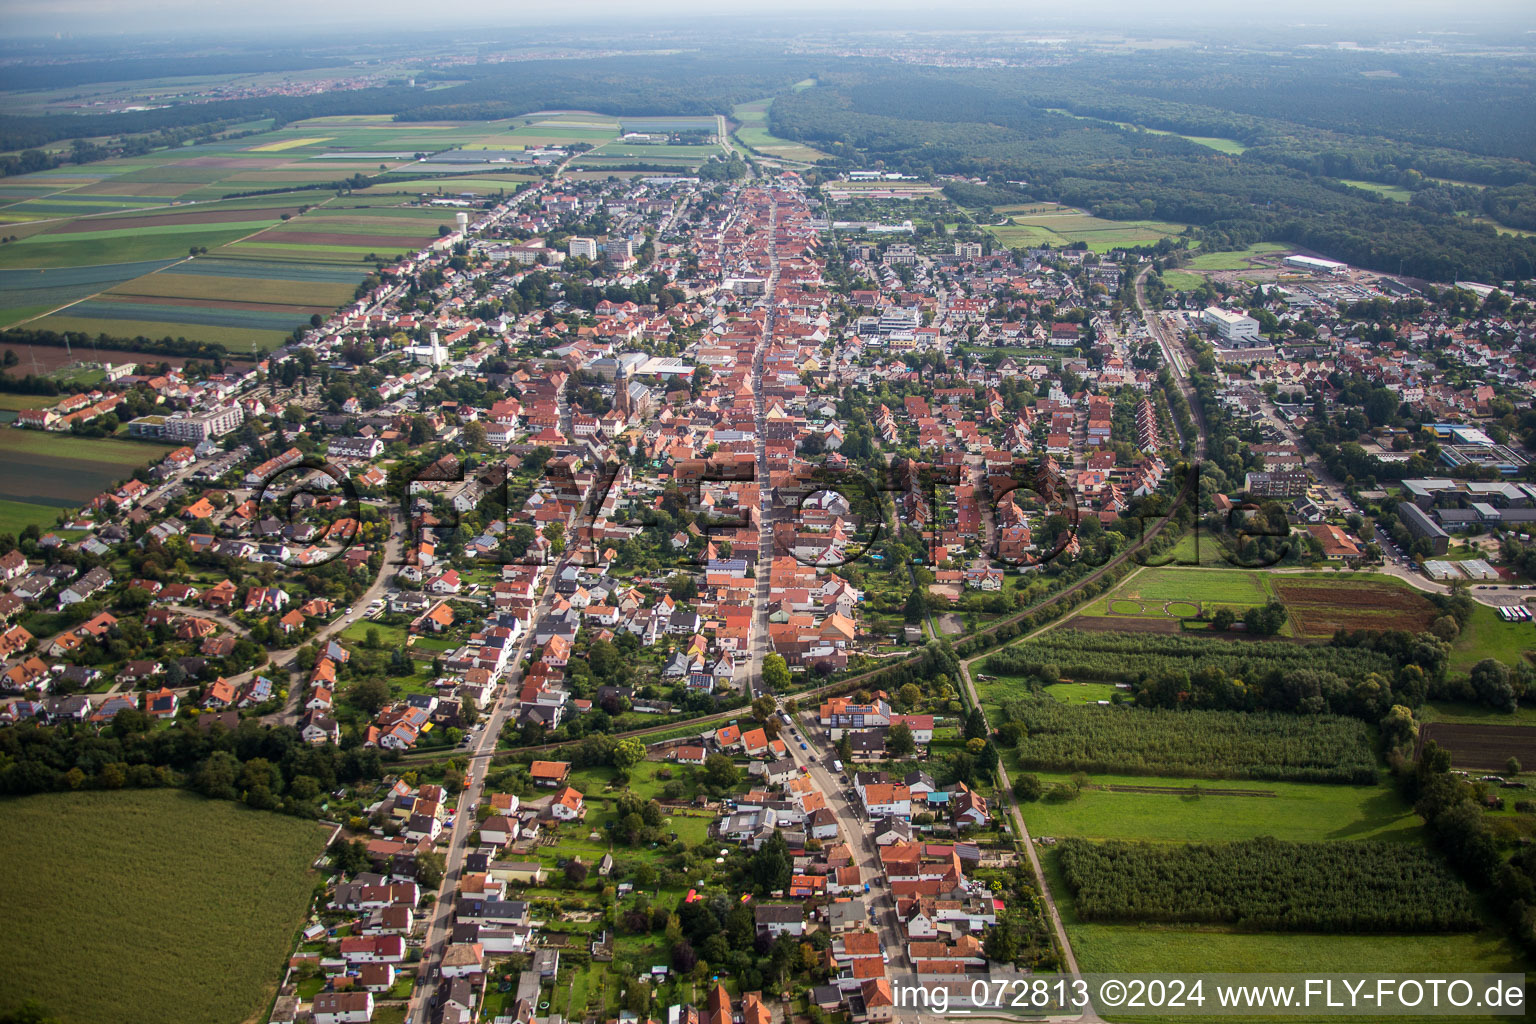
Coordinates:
1004 126
1265 884
265 767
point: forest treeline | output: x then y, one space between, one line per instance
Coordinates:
624 86
994 126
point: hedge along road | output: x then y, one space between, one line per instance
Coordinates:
872 675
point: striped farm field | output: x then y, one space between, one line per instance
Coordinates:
114 247
203 316
214 266
273 147
298 251
42 290
236 339
447 184
249 289
223 302
360 241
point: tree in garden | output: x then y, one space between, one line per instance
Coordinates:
628 753
721 772
975 725
683 956
771 865
370 695
429 869
916 607
1000 946
899 741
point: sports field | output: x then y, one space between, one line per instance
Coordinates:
1060 226
167 869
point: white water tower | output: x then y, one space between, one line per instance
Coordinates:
463 222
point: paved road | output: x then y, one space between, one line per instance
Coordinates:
283 660
440 917
757 640
855 831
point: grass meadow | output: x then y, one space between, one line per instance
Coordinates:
1236 259
1394 192
1059 226
1487 636
1171 810
752 132
155 905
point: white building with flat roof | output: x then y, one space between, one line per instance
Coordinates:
1232 327
1315 265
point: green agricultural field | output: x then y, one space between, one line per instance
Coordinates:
167 869
1063 226
1299 812
1456 712
16 516
206 286
1182 280
127 247
40 470
1236 260
1229 146
236 339
753 133
1158 590
123 454
1166 810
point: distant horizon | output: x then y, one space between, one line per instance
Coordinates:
84 21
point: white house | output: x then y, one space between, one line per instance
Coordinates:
342 1007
